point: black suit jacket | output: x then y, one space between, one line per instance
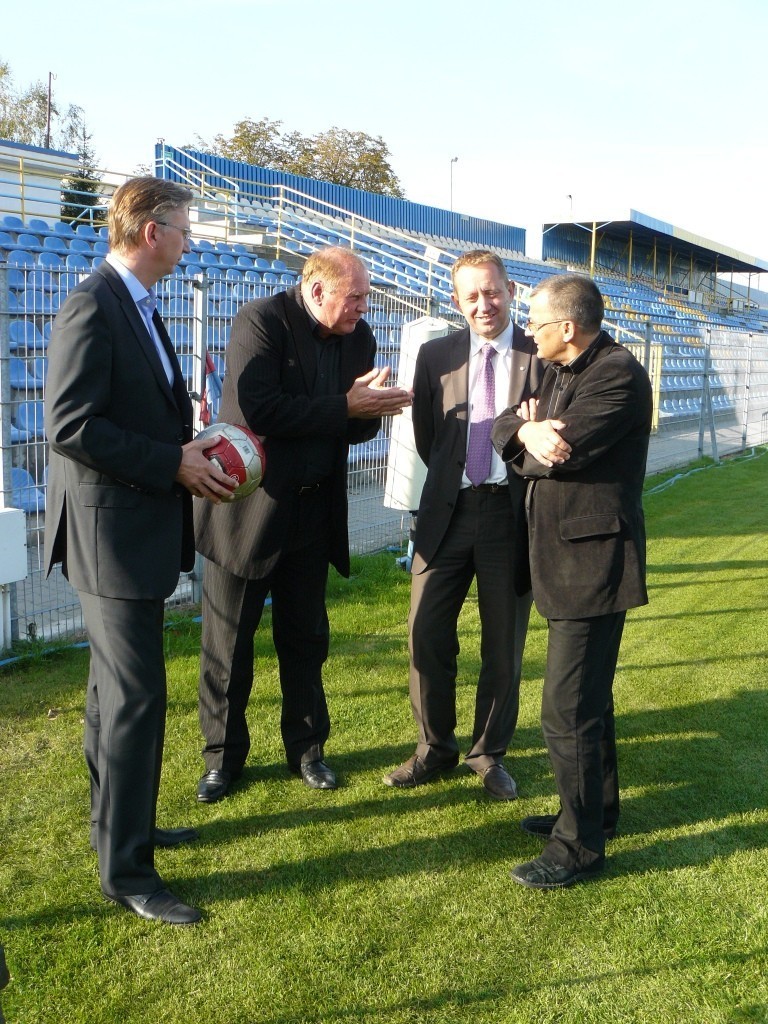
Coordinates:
271 366
586 526
115 517
440 424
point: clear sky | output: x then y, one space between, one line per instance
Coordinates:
658 105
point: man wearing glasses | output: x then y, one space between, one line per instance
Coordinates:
582 447
123 469
470 525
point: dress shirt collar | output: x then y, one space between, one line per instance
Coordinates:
131 282
502 342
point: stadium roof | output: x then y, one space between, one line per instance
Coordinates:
649 229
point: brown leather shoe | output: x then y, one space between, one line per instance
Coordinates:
414 773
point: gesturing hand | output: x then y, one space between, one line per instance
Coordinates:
368 399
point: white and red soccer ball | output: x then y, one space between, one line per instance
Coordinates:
239 453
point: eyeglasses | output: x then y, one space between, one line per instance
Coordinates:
534 327
185 231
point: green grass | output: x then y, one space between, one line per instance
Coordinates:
368 904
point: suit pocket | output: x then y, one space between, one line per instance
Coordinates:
590 526
107 496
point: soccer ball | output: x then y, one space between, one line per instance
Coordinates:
239 453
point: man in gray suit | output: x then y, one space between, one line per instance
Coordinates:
300 373
123 469
582 446
470 524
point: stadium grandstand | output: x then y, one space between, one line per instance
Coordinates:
677 300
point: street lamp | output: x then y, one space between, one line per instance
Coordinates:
453 161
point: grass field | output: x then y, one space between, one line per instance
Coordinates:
370 904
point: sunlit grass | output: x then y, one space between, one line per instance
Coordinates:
368 904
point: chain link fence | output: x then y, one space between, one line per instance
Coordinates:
710 387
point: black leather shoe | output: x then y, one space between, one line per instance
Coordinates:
546 874
166 837
499 783
158 906
541 825
316 775
414 773
213 785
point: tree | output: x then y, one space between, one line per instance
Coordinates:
81 192
23 113
356 160
338 155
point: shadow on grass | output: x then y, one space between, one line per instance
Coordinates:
467 999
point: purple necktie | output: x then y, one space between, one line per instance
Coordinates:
481 419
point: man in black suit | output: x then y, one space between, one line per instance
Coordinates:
123 469
582 446
470 523
299 373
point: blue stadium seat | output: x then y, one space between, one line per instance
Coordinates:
29 417
80 245
20 376
38 226
12 223
187 364
27 241
40 365
77 261
24 334
100 247
54 243
62 229
40 279
180 335
20 258
7 240
50 261
17 279
25 494
86 231
245 262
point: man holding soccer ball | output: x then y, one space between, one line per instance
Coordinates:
123 469
300 375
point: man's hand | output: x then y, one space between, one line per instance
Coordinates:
203 478
527 409
543 442
368 399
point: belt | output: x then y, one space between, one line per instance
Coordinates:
488 488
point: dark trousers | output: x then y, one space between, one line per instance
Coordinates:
232 608
124 732
577 720
479 543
